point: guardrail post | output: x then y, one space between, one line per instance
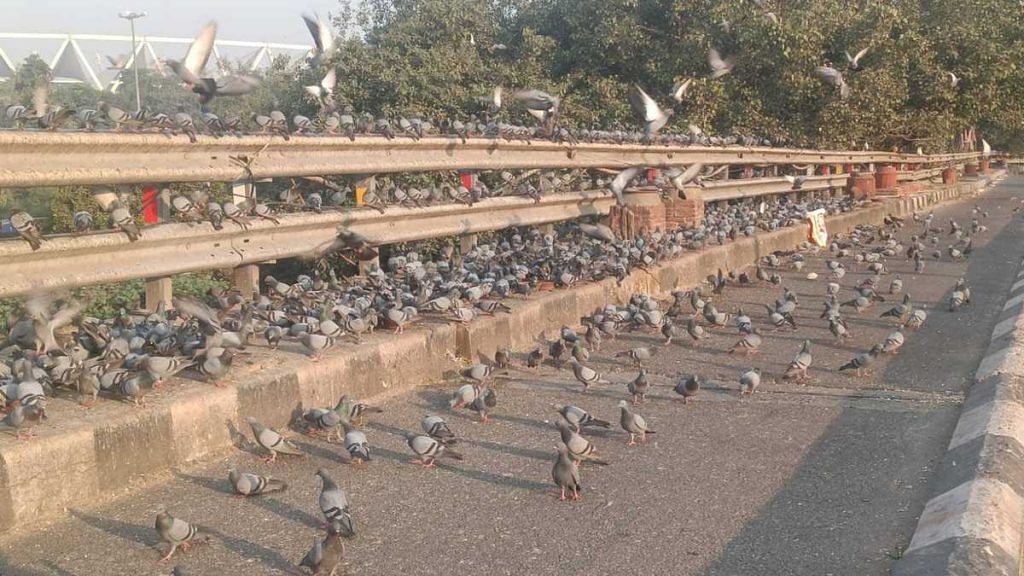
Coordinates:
949 176
983 166
246 279
970 169
159 291
156 208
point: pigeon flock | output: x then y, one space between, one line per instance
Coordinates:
53 349
127 356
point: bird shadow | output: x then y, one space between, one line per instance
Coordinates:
318 451
507 449
496 479
247 549
285 510
124 530
221 487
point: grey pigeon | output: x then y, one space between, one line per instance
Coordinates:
249 484
578 417
175 532
566 473
633 423
687 387
271 440
334 506
428 449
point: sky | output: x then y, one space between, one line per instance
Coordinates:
254 20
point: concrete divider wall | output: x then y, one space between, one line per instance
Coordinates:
97 455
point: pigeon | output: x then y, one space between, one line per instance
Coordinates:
438 429
834 78
123 220
633 423
719 66
249 484
638 387
916 319
190 71
853 63
798 367
27 228
175 532
579 448
566 473
586 375
271 440
578 417
749 381
749 343
621 181
83 221
860 363
315 344
687 387
893 342
334 506
357 446
326 556
637 355
679 89
653 116
429 449
323 91
901 311
323 38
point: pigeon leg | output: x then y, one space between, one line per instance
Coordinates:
169 553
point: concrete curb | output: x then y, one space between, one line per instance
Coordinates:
98 455
974 523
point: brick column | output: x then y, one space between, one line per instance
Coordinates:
862 185
983 166
644 211
886 178
950 176
688 213
970 169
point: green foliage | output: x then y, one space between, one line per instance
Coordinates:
68 200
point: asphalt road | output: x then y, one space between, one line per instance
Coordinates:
823 478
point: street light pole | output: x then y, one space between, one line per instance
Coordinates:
131 17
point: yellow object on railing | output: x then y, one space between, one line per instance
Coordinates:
360 194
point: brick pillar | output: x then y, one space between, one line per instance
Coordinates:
983 166
970 169
886 178
688 213
949 176
644 211
862 185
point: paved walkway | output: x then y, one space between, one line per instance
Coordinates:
823 478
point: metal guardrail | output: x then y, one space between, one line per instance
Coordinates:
51 159
67 261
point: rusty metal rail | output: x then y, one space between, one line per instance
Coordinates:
65 158
68 261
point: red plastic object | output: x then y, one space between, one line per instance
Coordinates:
467 179
150 205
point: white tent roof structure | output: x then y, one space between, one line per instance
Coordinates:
70 65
